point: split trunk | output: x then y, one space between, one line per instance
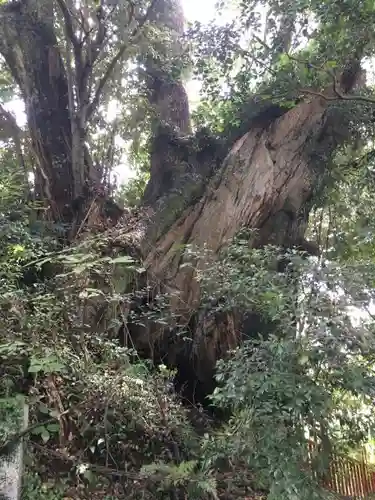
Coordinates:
266 183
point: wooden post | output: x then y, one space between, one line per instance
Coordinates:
11 466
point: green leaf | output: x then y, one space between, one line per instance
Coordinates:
45 435
43 409
125 259
35 368
38 430
54 428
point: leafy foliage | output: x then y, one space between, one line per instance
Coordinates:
34 489
90 406
130 194
274 51
312 378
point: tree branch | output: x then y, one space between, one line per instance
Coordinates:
70 32
93 51
111 66
338 93
339 96
96 45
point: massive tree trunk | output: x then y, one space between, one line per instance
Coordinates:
266 182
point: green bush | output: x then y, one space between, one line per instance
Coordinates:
33 488
312 378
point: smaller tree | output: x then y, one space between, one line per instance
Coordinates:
63 55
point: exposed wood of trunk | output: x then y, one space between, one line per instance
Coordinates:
29 46
265 183
266 173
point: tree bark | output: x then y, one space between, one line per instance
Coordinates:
265 183
29 46
168 99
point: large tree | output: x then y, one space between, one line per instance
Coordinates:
264 173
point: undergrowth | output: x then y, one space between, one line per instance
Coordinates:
106 424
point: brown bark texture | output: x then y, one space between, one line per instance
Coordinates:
29 46
265 183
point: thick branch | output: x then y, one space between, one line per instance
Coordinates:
69 27
84 77
118 56
77 154
340 86
97 44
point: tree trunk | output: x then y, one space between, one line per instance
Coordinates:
266 183
169 100
30 48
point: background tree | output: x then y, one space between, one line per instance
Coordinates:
61 55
